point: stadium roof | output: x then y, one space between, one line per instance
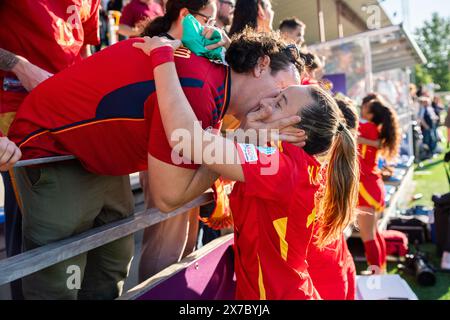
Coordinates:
354 17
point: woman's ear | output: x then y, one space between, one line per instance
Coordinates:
183 13
262 66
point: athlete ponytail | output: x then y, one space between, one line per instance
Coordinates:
173 8
341 188
390 134
328 134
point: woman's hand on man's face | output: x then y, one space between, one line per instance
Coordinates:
279 130
151 43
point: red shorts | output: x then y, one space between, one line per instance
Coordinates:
371 192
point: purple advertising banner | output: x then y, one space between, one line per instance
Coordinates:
339 82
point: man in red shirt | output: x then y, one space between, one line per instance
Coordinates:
113 127
57 35
135 14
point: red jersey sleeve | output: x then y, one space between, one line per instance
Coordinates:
269 173
201 102
91 25
128 16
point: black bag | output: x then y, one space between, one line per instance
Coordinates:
442 221
417 230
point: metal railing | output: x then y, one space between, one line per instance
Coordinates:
31 261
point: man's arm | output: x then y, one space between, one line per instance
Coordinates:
172 186
371 143
8 60
85 51
29 74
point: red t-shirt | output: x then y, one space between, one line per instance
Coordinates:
136 11
103 109
273 213
49 34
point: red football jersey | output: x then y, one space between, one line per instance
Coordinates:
368 154
49 34
273 213
329 268
371 186
103 109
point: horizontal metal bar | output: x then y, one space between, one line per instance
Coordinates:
30 162
40 258
173 269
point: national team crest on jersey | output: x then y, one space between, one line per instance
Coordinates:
182 52
267 150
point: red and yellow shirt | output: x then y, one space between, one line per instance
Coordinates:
371 186
273 214
50 34
104 109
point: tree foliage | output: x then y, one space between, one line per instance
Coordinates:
434 40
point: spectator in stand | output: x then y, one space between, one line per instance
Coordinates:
225 12
447 125
257 14
135 15
438 108
173 239
294 30
115 5
313 68
427 119
54 42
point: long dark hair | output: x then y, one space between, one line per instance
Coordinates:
173 7
386 117
245 15
326 129
348 109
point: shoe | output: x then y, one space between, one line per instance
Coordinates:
445 262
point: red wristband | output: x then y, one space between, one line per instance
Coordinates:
161 55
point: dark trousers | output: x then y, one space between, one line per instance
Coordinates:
13 230
429 138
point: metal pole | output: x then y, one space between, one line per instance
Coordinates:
339 19
321 21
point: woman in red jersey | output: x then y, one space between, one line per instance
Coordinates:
273 201
332 268
378 122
